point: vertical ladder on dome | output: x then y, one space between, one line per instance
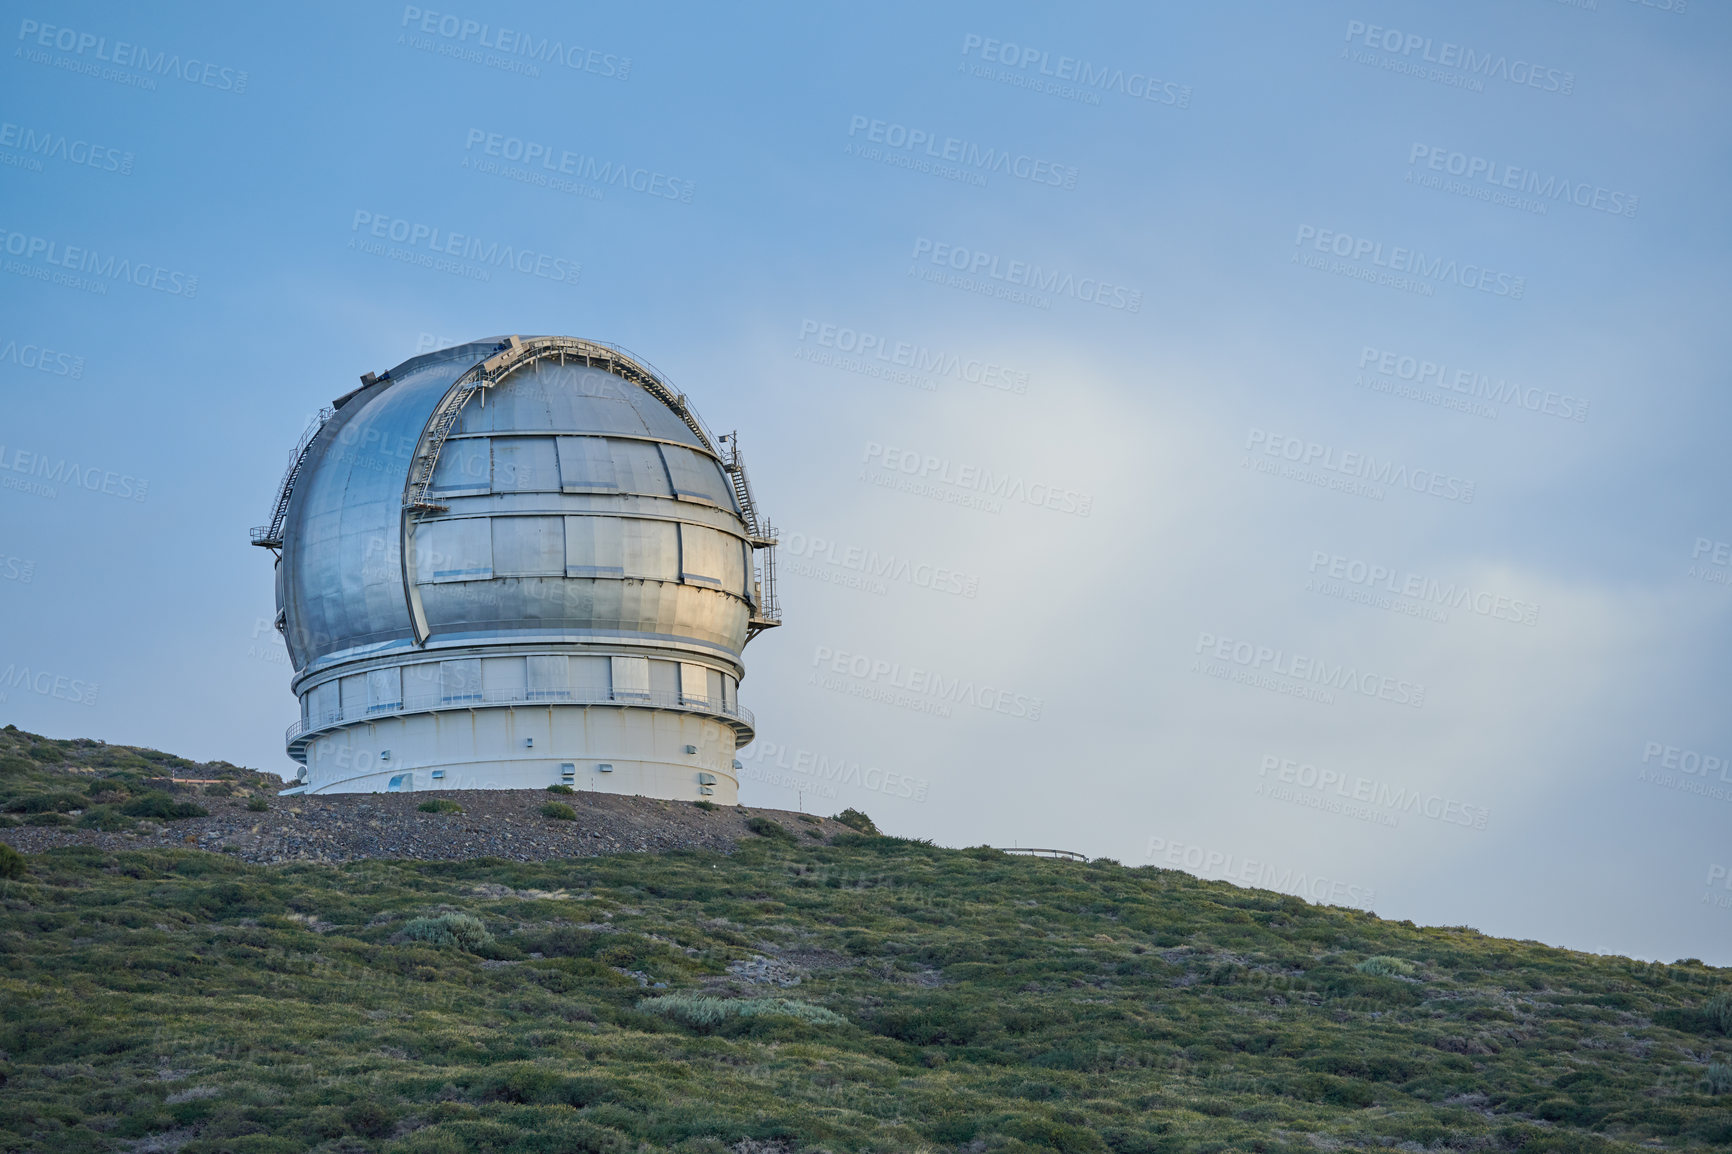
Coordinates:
768 611
270 536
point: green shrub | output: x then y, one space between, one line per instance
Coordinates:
105 818
220 789
855 820
560 788
258 805
12 864
439 805
11 764
1718 1013
368 1119
706 1013
160 805
764 827
47 819
1384 966
558 811
464 931
705 804
1717 1079
46 803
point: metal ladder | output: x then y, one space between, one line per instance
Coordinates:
735 466
445 416
438 429
271 536
768 611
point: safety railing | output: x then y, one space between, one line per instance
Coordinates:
270 536
438 702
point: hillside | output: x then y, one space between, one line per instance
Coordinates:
849 992
57 794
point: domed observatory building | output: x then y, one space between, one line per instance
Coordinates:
516 563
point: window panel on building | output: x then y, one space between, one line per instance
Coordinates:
459 550
528 546
638 468
631 677
696 477
525 465
460 680
586 465
384 689
465 466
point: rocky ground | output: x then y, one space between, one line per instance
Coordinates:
493 823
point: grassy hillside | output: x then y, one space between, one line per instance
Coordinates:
871 994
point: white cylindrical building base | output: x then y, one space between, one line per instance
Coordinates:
609 749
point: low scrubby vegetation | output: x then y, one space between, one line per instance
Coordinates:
93 785
875 994
774 830
707 1013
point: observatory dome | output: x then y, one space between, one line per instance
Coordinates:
519 562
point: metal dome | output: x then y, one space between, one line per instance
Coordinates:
516 562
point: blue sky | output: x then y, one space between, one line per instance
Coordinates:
1270 291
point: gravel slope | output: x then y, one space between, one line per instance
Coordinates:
494 823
